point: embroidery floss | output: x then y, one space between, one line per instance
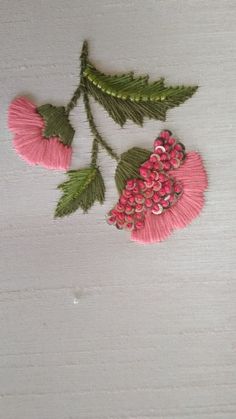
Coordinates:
168 194
25 121
159 192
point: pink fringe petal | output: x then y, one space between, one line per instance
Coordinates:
31 149
23 116
193 177
57 155
29 142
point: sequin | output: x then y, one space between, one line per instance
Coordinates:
156 191
154 158
166 165
127 193
162 192
139 225
120 208
130 184
129 218
148 203
156 175
131 200
156 198
139 207
157 186
149 193
129 210
160 149
149 183
139 199
171 141
144 172
165 204
111 220
175 163
164 157
129 226
157 209
158 142
177 188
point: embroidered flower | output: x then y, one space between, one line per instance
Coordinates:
30 140
168 194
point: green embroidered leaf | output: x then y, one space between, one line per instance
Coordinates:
57 123
129 164
81 190
126 97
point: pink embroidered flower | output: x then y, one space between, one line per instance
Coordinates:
167 196
29 141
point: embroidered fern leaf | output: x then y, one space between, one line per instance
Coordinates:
127 97
129 164
81 190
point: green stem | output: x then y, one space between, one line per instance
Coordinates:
83 62
94 129
94 153
72 103
83 57
73 100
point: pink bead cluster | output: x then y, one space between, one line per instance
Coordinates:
155 190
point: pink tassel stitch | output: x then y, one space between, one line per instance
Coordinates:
168 196
29 142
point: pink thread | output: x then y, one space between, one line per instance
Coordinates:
29 142
143 195
166 198
193 178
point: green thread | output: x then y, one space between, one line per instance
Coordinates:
82 90
83 62
124 97
129 164
83 188
127 97
57 123
94 153
124 86
94 129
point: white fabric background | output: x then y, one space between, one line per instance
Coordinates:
154 332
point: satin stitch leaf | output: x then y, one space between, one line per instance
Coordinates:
83 188
126 97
